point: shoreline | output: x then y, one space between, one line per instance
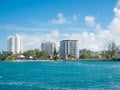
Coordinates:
58 60
27 60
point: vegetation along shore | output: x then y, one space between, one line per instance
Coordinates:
112 53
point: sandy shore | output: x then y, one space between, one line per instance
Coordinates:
56 60
29 60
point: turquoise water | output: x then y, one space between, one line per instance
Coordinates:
62 75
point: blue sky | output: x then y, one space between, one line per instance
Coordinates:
43 20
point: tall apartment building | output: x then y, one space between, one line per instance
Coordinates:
69 47
48 47
15 44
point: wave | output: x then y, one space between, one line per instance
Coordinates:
12 83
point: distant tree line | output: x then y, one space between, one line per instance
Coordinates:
87 54
83 54
35 54
110 53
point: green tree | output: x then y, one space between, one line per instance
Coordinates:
3 57
10 53
87 54
7 56
55 57
29 53
112 49
40 55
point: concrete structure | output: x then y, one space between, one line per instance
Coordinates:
49 48
15 44
69 47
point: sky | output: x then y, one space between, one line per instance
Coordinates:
94 23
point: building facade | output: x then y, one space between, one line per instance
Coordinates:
48 47
15 44
69 48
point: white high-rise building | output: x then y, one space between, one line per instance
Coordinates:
48 47
15 44
69 47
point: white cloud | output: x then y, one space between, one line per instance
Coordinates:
74 17
117 12
100 39
90 20
94 41
61 19
86 40
34 41
74 28
98 27
114 26
118 4
14 27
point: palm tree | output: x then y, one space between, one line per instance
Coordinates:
112 48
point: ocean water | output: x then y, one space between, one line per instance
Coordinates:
60 75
